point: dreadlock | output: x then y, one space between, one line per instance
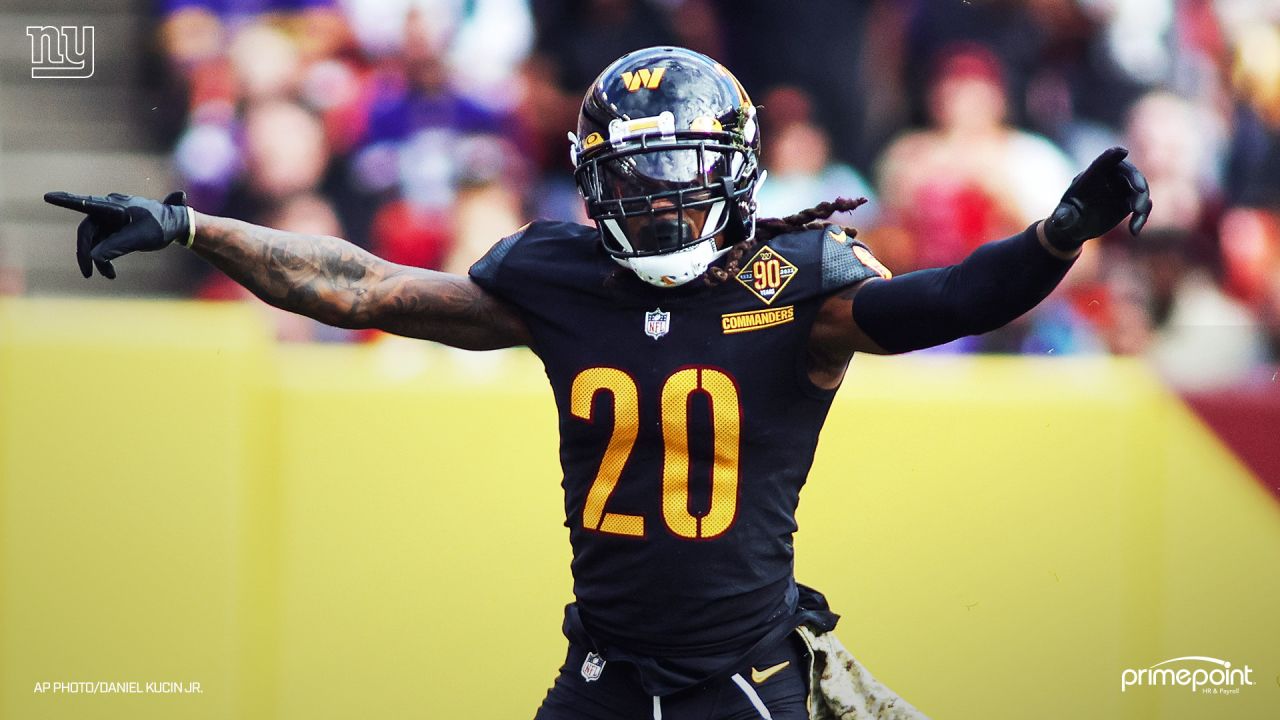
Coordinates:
769 228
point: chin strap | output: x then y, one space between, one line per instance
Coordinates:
734 228
739 228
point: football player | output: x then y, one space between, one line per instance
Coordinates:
693 352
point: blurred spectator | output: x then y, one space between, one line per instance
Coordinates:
816 46
698 26
1176 145
303 213
580 37
1196 334
428 129
1006 29
405 233
285 150
1254 163
484 211
1251 260
1064 93
208 160
191 35
1200 338
419 124
266 61
546 112
481 42
801 170
971 176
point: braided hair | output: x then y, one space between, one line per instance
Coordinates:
769 228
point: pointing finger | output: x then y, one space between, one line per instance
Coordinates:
1102 166
1112 156
67 200
88 204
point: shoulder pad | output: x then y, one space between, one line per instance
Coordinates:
487 266
846 261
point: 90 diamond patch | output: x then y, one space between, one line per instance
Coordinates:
766 274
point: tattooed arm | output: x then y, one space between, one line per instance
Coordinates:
340 284
325 278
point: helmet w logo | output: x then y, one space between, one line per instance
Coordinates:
643 78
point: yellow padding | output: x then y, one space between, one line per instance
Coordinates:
334 532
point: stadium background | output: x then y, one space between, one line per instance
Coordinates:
313 523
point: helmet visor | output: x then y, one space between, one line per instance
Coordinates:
654 171
661 199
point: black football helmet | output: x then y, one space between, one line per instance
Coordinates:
666 158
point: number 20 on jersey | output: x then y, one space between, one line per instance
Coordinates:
719 388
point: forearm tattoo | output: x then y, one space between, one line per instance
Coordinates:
339 284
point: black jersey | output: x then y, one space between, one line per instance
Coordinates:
687 427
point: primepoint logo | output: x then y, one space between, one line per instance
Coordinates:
1192 674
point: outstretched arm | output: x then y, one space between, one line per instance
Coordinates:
994 285
339 284
321 277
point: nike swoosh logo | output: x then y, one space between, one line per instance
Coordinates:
759 676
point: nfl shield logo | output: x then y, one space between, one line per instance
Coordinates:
592 667
657 323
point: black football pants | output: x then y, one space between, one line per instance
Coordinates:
775 687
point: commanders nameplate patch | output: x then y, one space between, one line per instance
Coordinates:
766 274
741 322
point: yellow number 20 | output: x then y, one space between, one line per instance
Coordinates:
676 391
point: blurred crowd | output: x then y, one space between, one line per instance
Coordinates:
425 130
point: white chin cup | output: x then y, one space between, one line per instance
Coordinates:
674 268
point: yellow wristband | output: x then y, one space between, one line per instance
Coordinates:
191 225
1048 246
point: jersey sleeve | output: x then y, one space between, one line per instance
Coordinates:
487 272
846 261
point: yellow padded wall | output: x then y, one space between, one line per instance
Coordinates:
128 445
335 532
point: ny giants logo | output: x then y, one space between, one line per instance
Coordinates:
65 52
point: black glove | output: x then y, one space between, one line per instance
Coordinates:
1099 198
119 224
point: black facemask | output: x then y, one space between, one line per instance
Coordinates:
665 233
